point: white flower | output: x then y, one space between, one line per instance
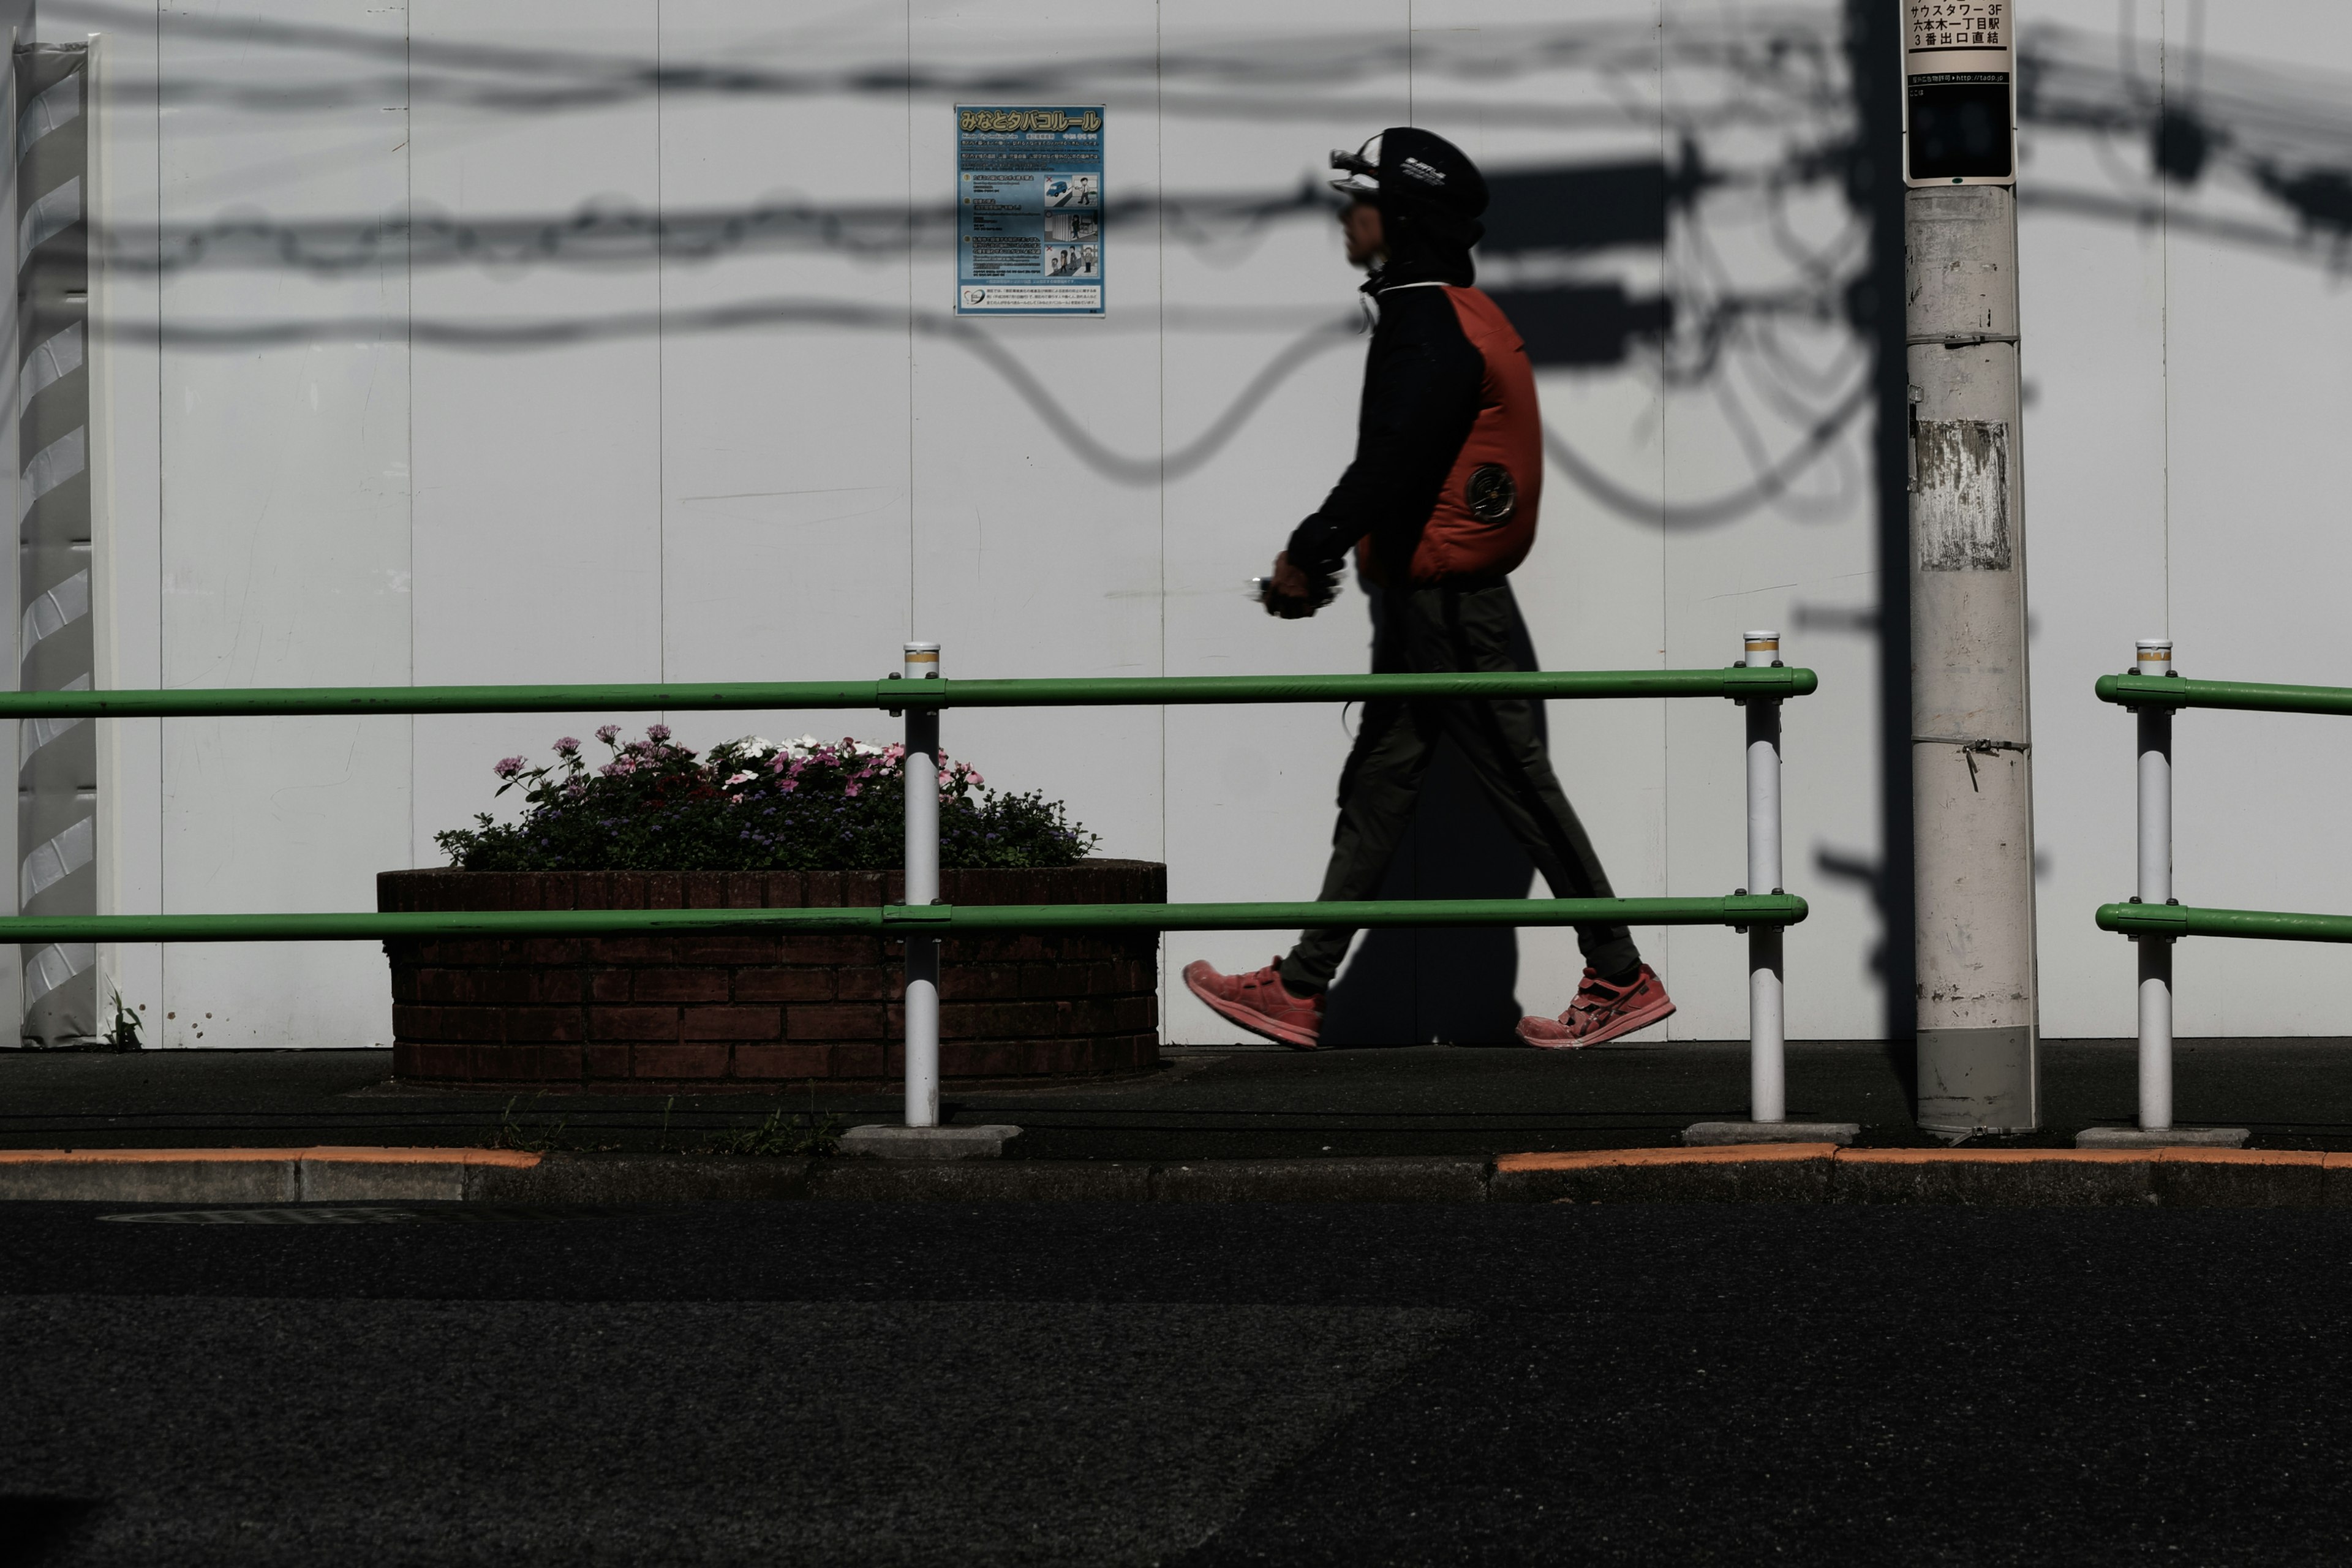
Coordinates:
740 778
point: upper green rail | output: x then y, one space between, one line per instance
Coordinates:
1109 692
2175 691
2178 919
929 920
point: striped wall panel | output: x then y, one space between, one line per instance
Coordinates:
56 760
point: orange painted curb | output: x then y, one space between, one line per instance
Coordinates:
2002 1156
2182 1155
1719 1154
511 1158
1758 1154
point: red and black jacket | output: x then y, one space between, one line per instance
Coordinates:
1449 447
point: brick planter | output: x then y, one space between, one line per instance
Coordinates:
761 1008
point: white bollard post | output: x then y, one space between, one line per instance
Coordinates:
2154 888
922 789
1767 1075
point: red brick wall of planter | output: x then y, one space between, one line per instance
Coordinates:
762 1009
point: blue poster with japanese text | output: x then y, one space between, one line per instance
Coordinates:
1029 210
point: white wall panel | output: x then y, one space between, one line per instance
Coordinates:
786 360
537 366
285 544
126 502
1035 554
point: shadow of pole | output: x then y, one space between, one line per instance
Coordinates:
1876 190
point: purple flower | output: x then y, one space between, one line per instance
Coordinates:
607 731
507 767
657 732
566 745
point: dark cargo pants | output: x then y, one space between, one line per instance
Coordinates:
1447 628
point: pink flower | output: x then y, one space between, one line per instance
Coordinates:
789 785
610 769
657 732
971 777
743 777
507 767
852 787
565 746
606 732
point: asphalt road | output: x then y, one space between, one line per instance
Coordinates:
820 1384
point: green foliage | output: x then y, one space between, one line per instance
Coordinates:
750 805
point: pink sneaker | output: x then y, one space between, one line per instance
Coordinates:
1259 1003
1600 1012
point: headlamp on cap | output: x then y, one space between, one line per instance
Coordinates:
1362 181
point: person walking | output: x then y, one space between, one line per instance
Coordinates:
1438 507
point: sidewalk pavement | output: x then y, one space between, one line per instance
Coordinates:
1236 1123
1221 1103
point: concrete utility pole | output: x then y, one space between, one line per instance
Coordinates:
1972 779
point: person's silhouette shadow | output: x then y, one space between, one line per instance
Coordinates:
1410 985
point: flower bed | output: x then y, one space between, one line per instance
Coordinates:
752 805
754 825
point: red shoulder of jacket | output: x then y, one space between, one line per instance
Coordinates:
1482 319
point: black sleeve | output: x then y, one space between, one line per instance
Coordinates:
1422 381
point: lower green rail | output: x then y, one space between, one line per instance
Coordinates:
2181 920
931 919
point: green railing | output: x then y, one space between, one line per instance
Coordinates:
2152 918
1124 691
1736 682
921 695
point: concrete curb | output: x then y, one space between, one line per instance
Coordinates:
1771 1172
251 1175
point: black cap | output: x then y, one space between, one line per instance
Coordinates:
1406 166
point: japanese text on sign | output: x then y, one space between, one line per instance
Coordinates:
1959 25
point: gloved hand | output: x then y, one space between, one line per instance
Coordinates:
1295 594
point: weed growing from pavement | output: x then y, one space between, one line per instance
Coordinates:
777 1137
123 1033
513 1134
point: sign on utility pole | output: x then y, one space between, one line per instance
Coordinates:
1972 777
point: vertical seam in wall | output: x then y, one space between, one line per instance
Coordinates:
162 859
910 316
408 327
2164 305
661 386
1160 341
1665 554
